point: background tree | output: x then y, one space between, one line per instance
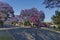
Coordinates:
52 3
56 18
27 23
6 11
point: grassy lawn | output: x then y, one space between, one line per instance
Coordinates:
4 35
6 38
56 29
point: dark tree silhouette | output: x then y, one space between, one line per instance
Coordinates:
52 3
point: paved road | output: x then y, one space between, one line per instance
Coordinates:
33 34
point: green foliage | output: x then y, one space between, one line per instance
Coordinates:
27 23
59 26
6 38
56 18
1 23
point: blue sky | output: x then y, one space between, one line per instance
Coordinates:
18 5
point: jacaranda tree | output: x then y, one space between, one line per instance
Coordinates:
6 11
33 13
27 13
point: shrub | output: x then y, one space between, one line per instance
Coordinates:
1 23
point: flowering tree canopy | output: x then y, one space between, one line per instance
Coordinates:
27 13
34 19
5 11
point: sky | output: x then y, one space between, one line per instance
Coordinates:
18 5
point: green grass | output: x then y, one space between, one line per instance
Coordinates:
6 38
56 29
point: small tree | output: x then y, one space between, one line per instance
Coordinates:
1 23
27 23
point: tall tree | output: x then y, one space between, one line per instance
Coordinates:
27 13
56 18
6 11
33 15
